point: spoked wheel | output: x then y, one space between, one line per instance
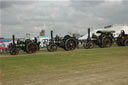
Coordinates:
70 44
31 48
14 51
52 47
89 45
107 42
126 42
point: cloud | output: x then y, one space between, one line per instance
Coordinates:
32 14
113 0
102 11
21 17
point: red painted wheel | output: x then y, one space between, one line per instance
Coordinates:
31 48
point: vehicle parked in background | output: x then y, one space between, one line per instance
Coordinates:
105 39
3 49
122 39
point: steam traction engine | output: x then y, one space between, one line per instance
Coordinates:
122 39
28 46
104 40
68 43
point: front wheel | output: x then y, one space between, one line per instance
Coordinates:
52 47
126 42
89 45
14 51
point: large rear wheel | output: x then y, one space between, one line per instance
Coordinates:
31 48
106 43
70 44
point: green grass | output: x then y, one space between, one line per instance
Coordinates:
45 63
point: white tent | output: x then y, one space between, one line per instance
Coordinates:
86 35
116 28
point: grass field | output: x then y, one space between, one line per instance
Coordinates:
107 66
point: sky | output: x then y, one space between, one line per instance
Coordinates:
62 16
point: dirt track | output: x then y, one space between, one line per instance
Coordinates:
112 73
108 75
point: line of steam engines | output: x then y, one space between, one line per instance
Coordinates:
105 39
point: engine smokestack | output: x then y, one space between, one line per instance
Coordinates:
51 35
13 38
89 34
